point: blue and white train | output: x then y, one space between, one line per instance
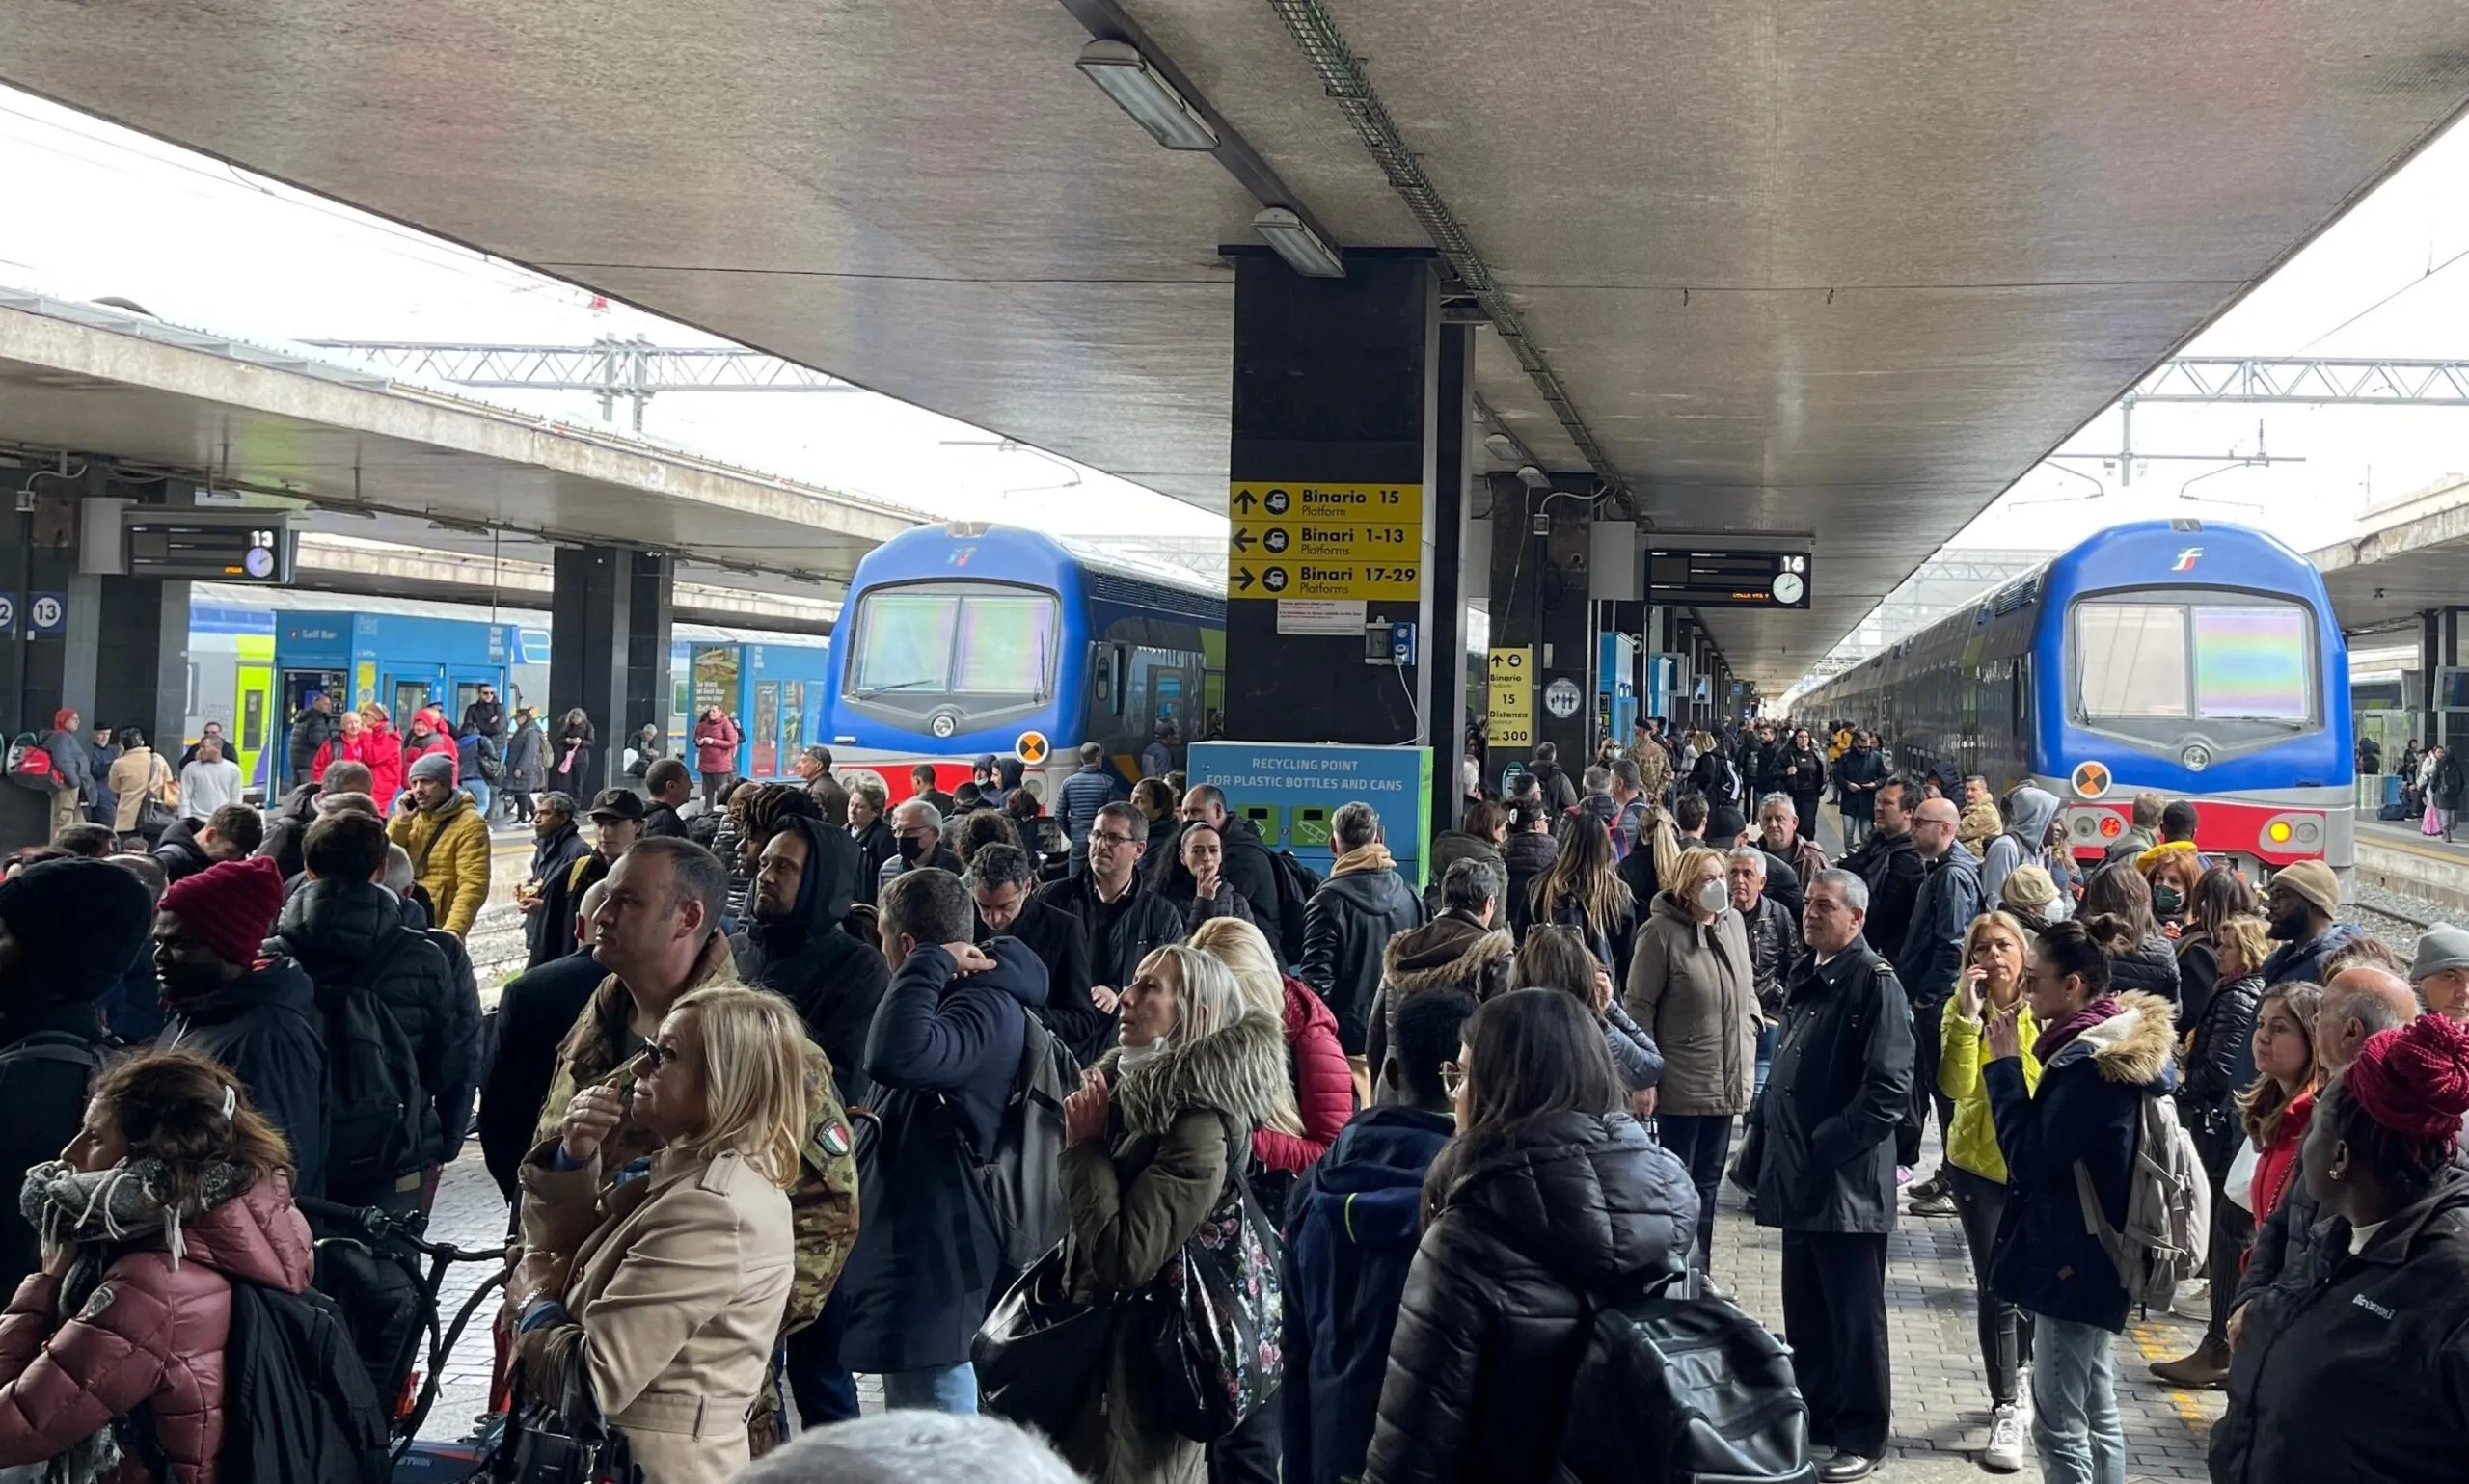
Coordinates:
2199 661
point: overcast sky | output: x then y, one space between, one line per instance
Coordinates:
217 248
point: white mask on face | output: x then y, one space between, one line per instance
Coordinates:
1714 897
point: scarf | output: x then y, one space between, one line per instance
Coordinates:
2054 1039
1374 856
122 1204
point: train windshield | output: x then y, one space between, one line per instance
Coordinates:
2150 665
954 638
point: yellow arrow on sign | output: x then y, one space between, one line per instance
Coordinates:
1313 503
1308 578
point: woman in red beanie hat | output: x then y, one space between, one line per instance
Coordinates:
256 1017
2365 1373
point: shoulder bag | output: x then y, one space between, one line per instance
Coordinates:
1208 1322
1042 1354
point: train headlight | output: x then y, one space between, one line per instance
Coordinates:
2111 826
2292 834
2280 833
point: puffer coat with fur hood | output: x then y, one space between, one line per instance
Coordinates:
1453 950
1136 1198
148 1329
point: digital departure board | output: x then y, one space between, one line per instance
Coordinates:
1734 579
252 547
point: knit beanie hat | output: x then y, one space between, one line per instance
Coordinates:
231 906
439 766
2313 880
78 925
2440 947
2027 886
2414 1080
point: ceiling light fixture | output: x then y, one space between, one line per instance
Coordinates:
1127 77
1501 446
1533 477
1299 245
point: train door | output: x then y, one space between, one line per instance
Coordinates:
251 720
297 686
466 683
409 689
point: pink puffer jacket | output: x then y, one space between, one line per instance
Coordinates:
148 1333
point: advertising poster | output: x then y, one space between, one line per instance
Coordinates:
767 729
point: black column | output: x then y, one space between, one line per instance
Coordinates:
1334 384
1443 646
609 645
1539 599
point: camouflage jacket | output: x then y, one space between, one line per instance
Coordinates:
822 1206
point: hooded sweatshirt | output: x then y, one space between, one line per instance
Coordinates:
834 981
78 925
2031 809
263 1026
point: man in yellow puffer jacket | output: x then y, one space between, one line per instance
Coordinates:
439 826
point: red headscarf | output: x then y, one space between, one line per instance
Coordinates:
2414 1080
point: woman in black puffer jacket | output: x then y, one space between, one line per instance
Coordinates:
2148 963
1543 1189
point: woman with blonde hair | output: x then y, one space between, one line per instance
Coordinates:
1152 1149
659 1297
1321 1088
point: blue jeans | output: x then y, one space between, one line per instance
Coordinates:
938 1388
2075 1429
1765 1053
478 788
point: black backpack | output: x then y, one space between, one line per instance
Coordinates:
373 1094
1023 1179
1295 885
1681 1391
297 1403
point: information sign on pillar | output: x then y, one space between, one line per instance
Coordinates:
1304 540
1510 701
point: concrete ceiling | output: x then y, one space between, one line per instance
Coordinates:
2386 577
1845 267
87 381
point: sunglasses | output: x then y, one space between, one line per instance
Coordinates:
1453 1078
656 1056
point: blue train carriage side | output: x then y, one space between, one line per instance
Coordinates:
962 639
2201 662
773 684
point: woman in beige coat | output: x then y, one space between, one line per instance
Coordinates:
1148 1138
1693 987
660 1295
137 771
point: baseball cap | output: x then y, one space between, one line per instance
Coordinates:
617 804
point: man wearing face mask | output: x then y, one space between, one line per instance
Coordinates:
918 828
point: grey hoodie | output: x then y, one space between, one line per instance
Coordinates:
2028 811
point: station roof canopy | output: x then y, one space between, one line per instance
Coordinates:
2409 558
432 470
1844 268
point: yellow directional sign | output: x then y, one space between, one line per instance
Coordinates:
1511 696
1260 540
1305 577
1310 503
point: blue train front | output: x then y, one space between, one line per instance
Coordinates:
2201 662
963 639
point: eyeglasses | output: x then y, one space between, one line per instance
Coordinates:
1453 1078
656 1056
1097 837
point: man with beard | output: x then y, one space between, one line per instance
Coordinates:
796 946
999 880
258 1019
557 844
918 827
616 823
70 930
2301 900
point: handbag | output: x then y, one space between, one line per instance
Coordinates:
1210 1320
154 811
1042 1354
2238 1184
546 1442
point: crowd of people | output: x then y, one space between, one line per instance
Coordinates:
801 1084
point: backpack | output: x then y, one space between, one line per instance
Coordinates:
1023 1179
1295 885
2168 1209
1682 1389
492 765
373 1094
57 1046
300 1406
30 766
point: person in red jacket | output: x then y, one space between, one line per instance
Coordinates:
1322 1085
349 743
428 734
382 749
716 740
172 1188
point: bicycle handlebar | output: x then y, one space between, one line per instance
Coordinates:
409 1227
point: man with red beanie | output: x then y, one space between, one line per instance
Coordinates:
257 1016
2363 1371
73 772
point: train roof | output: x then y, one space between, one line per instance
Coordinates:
233 599
908 551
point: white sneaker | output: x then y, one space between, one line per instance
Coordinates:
2192 1300
2005 1451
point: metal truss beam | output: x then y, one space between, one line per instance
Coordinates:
634 370
2311 381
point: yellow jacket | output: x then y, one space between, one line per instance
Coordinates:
1972 1143
450 851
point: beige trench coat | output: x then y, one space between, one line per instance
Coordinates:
678 1284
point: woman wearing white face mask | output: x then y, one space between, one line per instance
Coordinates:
1693 986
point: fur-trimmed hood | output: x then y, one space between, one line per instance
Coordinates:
2133 1048
1240 1071
1450 951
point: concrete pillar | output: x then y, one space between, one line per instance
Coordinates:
1538 586
609 620
1444 629
1334 384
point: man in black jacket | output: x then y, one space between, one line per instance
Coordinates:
1931 956
535 1011
999 879
1346 927
616 823
796 945
1888 865
72 927
1121 920
485 715
876 843
1821 1157
310 730
228 833
557 844
669 785
344 931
